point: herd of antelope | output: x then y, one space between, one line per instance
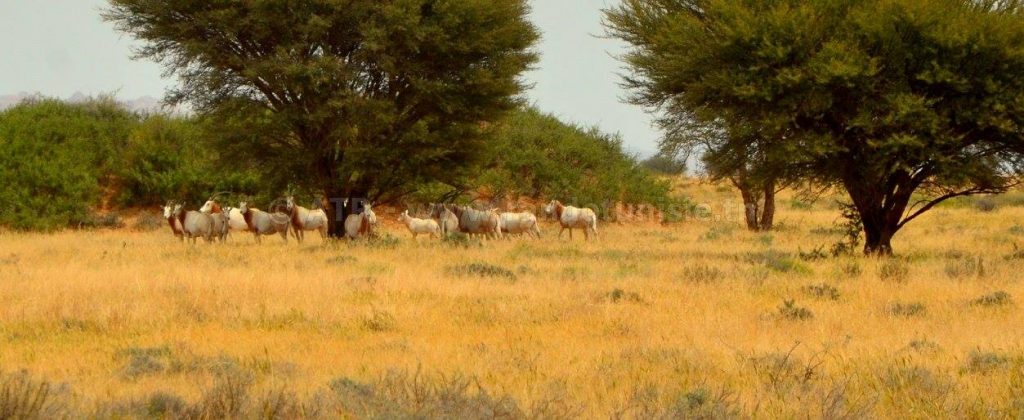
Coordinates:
213 222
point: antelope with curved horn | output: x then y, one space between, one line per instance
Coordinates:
193 224
478 222
573 218
362 224
263 223
235 221
304 219
173 221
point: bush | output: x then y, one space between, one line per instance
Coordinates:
999 298
54 156
619 295
985 205
481 270
822 291
984 362
776 261
534 154
790 311
702 274
893 270
906 310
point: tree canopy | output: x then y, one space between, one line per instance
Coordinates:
358 97
903 103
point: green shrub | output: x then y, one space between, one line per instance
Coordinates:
53 158
534 154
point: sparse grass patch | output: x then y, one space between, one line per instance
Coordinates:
979 362
143 361
621 296
815 254
380 241
147 222
994 299
850 269
414 396
460 240
378 321
894 271
985 205
341 260
25 397
790 311
776 261
718 231
483 270
965 267
906 310
822 291
703 274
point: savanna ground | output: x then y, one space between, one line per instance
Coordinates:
699 318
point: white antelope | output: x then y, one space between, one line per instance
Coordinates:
478 222
362 224
573 218
519 223
235 220
194 224
446 220
263 223
420 226
173 221
304 219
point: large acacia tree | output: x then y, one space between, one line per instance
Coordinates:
347 97
903 103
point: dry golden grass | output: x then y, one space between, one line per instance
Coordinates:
649 320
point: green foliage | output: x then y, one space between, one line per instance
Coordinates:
664 164
884 98
52 158
323 95
60 161
170 157
536 155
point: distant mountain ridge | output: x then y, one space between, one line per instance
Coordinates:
140 104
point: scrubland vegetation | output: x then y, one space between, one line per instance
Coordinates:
700 318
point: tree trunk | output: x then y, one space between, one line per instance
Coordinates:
336 212
878 239
768 209
758 206
750 206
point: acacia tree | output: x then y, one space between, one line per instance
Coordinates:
726 155
903 103
349 98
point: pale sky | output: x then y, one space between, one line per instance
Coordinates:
59 47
